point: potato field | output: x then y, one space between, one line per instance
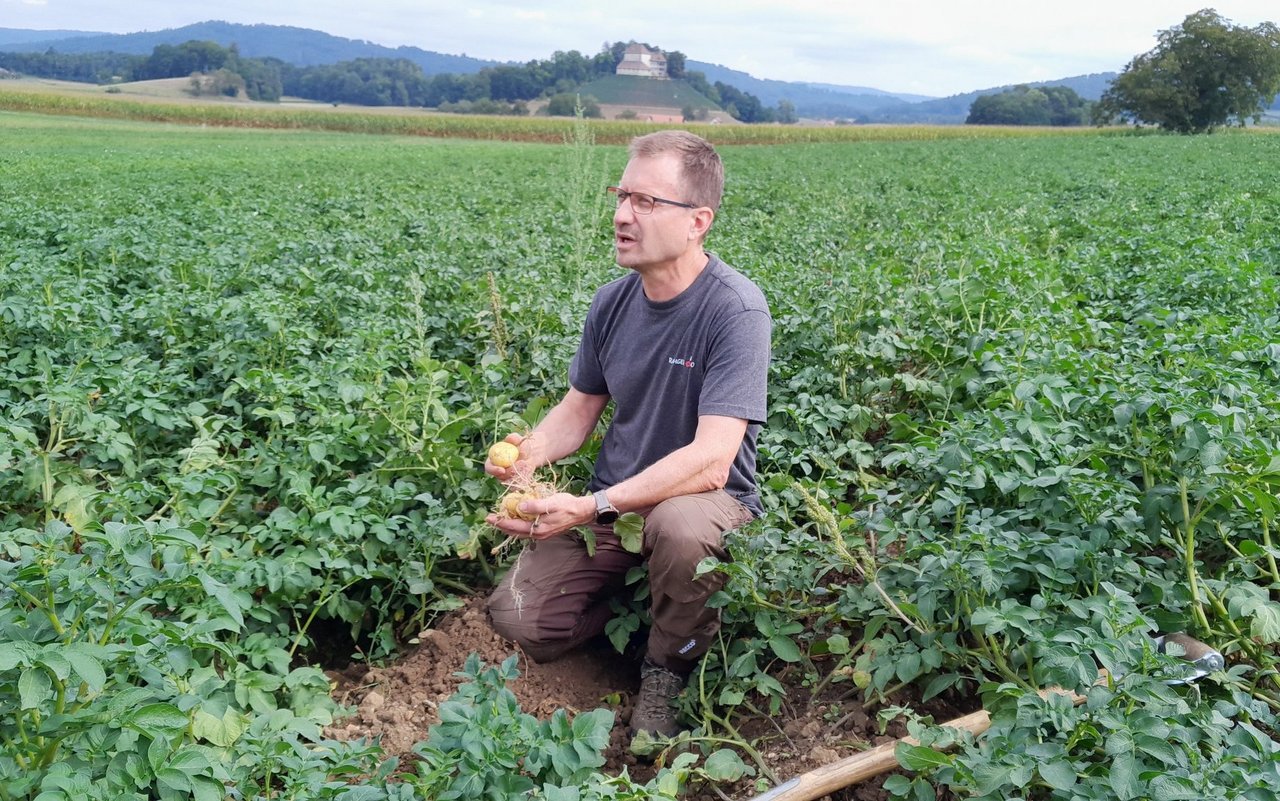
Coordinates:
1024 416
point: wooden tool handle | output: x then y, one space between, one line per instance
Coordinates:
860 767
881 759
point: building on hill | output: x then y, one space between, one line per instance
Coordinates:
641 62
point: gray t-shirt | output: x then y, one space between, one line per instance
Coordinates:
704 352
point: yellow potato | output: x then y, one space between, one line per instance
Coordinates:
503 454
511 505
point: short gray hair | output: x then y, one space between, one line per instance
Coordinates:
701 170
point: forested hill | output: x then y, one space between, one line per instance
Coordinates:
865 104
304 47
300 46
810 100
956 107
20 36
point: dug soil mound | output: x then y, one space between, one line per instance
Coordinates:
397 704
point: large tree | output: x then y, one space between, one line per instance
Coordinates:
1202 74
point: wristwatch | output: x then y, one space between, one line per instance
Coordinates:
606 513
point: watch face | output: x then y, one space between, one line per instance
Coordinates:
607 518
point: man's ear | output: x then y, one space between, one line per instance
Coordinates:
702 219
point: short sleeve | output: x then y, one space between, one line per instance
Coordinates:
585 371
737 375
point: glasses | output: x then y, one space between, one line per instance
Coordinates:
642 203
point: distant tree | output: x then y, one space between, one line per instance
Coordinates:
786 113
566 105
82 67
742 106
174 61
572 68
618 50
369 82
1202 74
1024 105
675 64
1066 106
219 82
261 77
691 114
699 82
605 62
514 83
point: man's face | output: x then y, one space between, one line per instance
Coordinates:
666 233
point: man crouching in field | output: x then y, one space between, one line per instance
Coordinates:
680 345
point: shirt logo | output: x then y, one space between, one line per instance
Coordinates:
678 362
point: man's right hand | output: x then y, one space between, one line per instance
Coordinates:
523 465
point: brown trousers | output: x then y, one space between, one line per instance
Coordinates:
556 597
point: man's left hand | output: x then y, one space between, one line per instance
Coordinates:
553 515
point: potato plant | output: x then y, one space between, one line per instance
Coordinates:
1022 415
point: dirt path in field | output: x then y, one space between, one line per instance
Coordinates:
397 704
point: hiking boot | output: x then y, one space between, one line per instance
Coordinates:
654 711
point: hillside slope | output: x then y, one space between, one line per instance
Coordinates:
301 46
624 90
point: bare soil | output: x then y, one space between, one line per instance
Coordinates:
397 704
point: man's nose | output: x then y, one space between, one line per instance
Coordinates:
623 212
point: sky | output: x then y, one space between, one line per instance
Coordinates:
928 47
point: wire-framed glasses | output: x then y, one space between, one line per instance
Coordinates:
642 203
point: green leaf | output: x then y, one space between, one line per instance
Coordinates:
1122 414
34 688
74 500
207 789
1173 788
1265 623
174 778
373 793
1212 454
731 696
920 757
86 667
229 598
1124 779
897 784
785 648
221 731
1058 774
838 644
630 530
725 766
154 719
189 760
938 684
